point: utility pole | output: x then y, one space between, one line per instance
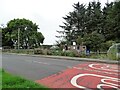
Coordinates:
18 38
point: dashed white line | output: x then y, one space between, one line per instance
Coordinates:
37 62
45 63
41 62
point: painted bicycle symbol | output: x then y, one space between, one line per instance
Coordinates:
102 81
86 80
106 67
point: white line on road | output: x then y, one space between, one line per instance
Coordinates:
41 62
37 62
95 70
105 67
45 63
75 78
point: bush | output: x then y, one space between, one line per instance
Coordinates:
105 46
49 52
23 51
38 51
62 53
70 54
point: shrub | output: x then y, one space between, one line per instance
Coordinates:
106 45
70 53
38 51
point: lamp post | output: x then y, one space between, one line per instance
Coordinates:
18 38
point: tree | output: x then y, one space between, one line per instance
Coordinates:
74 23
79 40
111 25
68 28
106 31
115 21
94 17
23 30
40 38
61 44
79 19
84 22
6 38
94 41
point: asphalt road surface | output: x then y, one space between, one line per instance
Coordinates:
60 73
35 68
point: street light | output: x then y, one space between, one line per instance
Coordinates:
18 38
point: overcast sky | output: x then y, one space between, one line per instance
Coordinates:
45 13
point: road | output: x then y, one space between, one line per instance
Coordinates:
34 68
61 73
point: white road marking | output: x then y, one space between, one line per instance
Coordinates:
95 70
101 85
104 81
37 62
74 80
114 69
41 62
45 63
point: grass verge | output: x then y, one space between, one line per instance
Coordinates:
11 81
0 79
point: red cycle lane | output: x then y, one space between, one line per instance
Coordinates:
85 76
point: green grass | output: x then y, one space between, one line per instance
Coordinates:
99 56
11 81
0 79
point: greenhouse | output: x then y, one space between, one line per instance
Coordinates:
114 52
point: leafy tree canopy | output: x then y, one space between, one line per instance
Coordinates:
23 30
92 23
